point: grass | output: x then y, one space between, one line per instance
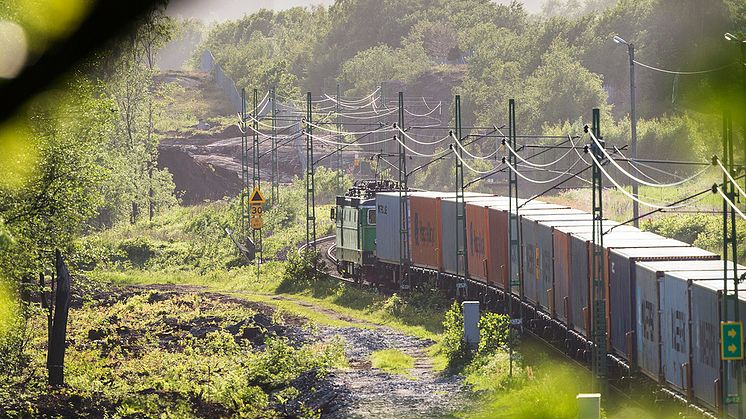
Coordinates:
392 361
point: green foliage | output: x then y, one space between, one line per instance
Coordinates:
367 68
302 271
493 336
701 230
493 332
453 344
549 395
163 353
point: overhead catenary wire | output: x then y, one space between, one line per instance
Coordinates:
730 203
733 181
409 137
416 152
540 182
635 178
487 157
461 159
635 163
518 156
336 132
704 192
331 142
631 196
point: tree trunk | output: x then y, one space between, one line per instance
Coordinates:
56 352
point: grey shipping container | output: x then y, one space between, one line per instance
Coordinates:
626 237
648 295
388 223
622 289
452 233
705 299
679 345
388 227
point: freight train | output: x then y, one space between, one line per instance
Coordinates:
663 295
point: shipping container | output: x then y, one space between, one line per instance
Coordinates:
679 343
620 238
388 227
499 253
537 247
646 297
622 290
452 233
478 236
424 223
562 266
705 303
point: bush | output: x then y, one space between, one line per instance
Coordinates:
493 332
138 250
702 230
303 270
453 344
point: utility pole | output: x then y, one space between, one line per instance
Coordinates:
597 263
742 47
257 234
340 174
633 123
514 243
275 195
404 258
460 207
310 185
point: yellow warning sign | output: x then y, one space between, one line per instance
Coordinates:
256 197
257 223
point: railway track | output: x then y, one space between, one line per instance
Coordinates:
326 245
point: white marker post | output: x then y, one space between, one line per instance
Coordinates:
471 323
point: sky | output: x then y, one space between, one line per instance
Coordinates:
220 10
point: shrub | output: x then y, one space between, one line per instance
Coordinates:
138 250
303 270
453 344
493 332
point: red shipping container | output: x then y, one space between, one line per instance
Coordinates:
479 244
425 241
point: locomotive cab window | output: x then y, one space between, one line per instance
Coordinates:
372 217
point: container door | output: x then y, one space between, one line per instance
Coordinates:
674 331
648 323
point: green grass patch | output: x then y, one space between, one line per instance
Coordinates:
392 361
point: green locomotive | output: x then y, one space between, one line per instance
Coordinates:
355 218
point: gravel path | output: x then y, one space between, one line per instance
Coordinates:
376 394
372 393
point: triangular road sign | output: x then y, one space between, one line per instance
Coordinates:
256 197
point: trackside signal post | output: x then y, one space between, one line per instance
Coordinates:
256 180
256 200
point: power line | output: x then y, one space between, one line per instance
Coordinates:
683 73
